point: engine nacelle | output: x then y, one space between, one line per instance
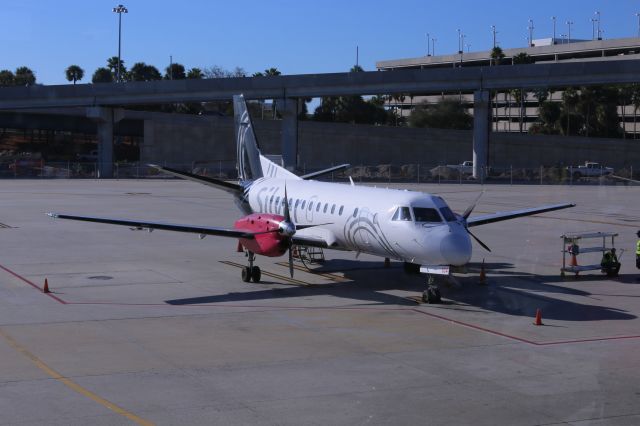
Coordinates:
270 244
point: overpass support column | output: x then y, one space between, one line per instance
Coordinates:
289 111
481 130
105 118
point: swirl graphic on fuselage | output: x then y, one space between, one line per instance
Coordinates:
365 227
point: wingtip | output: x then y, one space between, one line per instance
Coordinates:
53 215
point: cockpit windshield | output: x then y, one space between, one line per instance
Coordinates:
447 214
426 214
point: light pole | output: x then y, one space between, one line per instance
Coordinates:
493 30
120 9
569 24
593 28
428 46
638 15
598 19
459 41
433 46
531 32
553 18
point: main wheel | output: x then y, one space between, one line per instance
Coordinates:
246 274
255 274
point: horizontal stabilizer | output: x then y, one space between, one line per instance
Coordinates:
499 216
324 172
136 224
230 187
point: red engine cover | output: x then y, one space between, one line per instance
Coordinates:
271 244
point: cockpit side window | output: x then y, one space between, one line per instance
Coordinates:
426 214
402 213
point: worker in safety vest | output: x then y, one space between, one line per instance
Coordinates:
609 263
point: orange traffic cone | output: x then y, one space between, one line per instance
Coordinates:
574 260
538 320
45 289
483 275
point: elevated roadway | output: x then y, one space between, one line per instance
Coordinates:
100 99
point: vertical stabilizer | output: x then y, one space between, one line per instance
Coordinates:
248 153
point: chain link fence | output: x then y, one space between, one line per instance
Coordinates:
391 173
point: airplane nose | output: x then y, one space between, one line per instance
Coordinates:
455 248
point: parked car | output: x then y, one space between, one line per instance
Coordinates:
91 156
466 168
589 169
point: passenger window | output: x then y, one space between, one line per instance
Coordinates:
318 207
402 213
333 208
448 214
340 211
290 202
303 203
326 206
423 214
355 212
297 202
277 200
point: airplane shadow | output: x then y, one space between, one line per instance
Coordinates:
508 292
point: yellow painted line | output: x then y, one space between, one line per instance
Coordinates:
270 274
71 384
328 275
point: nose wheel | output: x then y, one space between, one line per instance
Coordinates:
251 272
432 293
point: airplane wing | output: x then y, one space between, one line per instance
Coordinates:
201 230
324 172
230 187
499 216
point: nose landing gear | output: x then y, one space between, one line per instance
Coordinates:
250 272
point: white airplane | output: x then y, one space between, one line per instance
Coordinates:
282 209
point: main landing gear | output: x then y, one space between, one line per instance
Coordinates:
432 293
250 272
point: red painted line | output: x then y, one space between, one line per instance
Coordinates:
23 279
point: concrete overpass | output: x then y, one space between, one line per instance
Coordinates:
102 101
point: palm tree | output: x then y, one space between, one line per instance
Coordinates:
271 72
195 73
175 71
497 55
74 73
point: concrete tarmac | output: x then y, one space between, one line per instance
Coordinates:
158 328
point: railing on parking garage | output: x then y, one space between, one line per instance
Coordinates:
389 173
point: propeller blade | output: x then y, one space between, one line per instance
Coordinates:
290 260
287 215
484 246
469 209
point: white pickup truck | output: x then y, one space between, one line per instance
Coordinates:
589 169
466 168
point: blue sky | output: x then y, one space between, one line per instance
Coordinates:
297 37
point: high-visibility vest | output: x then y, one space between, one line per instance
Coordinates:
638 248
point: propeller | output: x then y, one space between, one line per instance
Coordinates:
288 228
466 214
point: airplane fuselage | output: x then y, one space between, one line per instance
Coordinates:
399 224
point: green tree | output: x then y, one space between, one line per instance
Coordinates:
175 71
449 113
112 64
271 72
522 58
143 72
497 55
195 73
24 77
74 73
6 78
102 75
